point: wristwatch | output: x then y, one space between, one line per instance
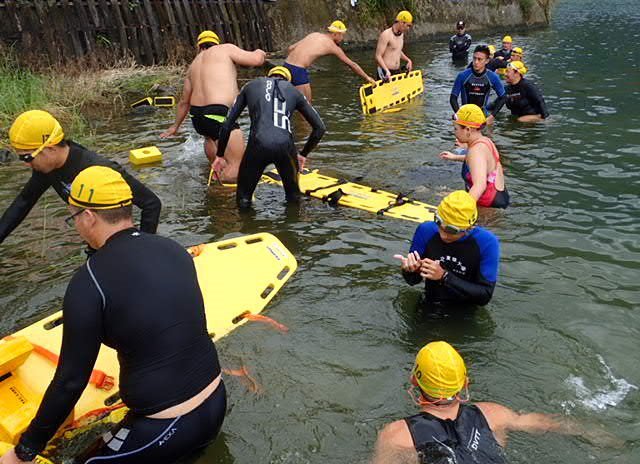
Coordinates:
25 453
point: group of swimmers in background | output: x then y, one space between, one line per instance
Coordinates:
456 259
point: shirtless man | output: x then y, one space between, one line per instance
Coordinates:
389 49
303 53
210 87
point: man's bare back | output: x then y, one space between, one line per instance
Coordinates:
309 49
213 76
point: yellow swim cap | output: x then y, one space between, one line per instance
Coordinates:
208 37
517 50
100 187
439 370
492 50
518 66
405 17
507 38
470 115
280 71
35 130
337 26
458 209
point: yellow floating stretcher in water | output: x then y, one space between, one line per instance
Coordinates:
400 89
238 277
342 192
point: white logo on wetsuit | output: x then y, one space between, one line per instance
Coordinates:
475 439
267 93
454 264
280 118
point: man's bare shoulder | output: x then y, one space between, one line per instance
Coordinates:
387 33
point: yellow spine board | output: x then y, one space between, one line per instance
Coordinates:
345 193
237 276
400 89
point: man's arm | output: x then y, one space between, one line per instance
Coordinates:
182 108
408 60
498 87
452 44
455 92
145 199
337 51
383 41
395 445
23 203
234 113
244 58
313 118
537 100
81 339
424 232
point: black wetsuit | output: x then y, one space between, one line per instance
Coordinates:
506 54
271 103
459 46
60 179
495 63
467 439
524 98
139 295
471 262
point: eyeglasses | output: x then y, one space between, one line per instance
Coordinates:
70 219
448 228
26 157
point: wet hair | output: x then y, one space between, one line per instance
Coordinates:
115 215
483 49
206 45
63 143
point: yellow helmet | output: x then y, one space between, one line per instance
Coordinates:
518 50
405 17
439 370
208 37
458 209
518 66
35 130
337 26
507 38
492 49
280 71
470 115
100 187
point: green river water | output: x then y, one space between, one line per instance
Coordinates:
562 332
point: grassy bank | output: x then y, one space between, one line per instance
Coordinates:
76 97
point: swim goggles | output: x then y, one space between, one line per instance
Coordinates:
26 157
448 228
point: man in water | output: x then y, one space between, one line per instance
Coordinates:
39 141
505 52
450 429
271 101
209 89
457 261
459 43
474 85
523 98
303 53
389 49
139 295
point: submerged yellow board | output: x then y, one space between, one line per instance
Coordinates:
238 276
400 88
342 192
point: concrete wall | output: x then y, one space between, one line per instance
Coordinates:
291 20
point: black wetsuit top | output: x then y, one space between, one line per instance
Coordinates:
271 103
466 440
139 295
471 262
60 179
524 98
459 46
494 64
506 54
475 88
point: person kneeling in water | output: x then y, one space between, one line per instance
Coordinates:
481 168
448 427
271 101
457 261
523 98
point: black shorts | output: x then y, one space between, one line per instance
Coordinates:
382 75
208 120
140 439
